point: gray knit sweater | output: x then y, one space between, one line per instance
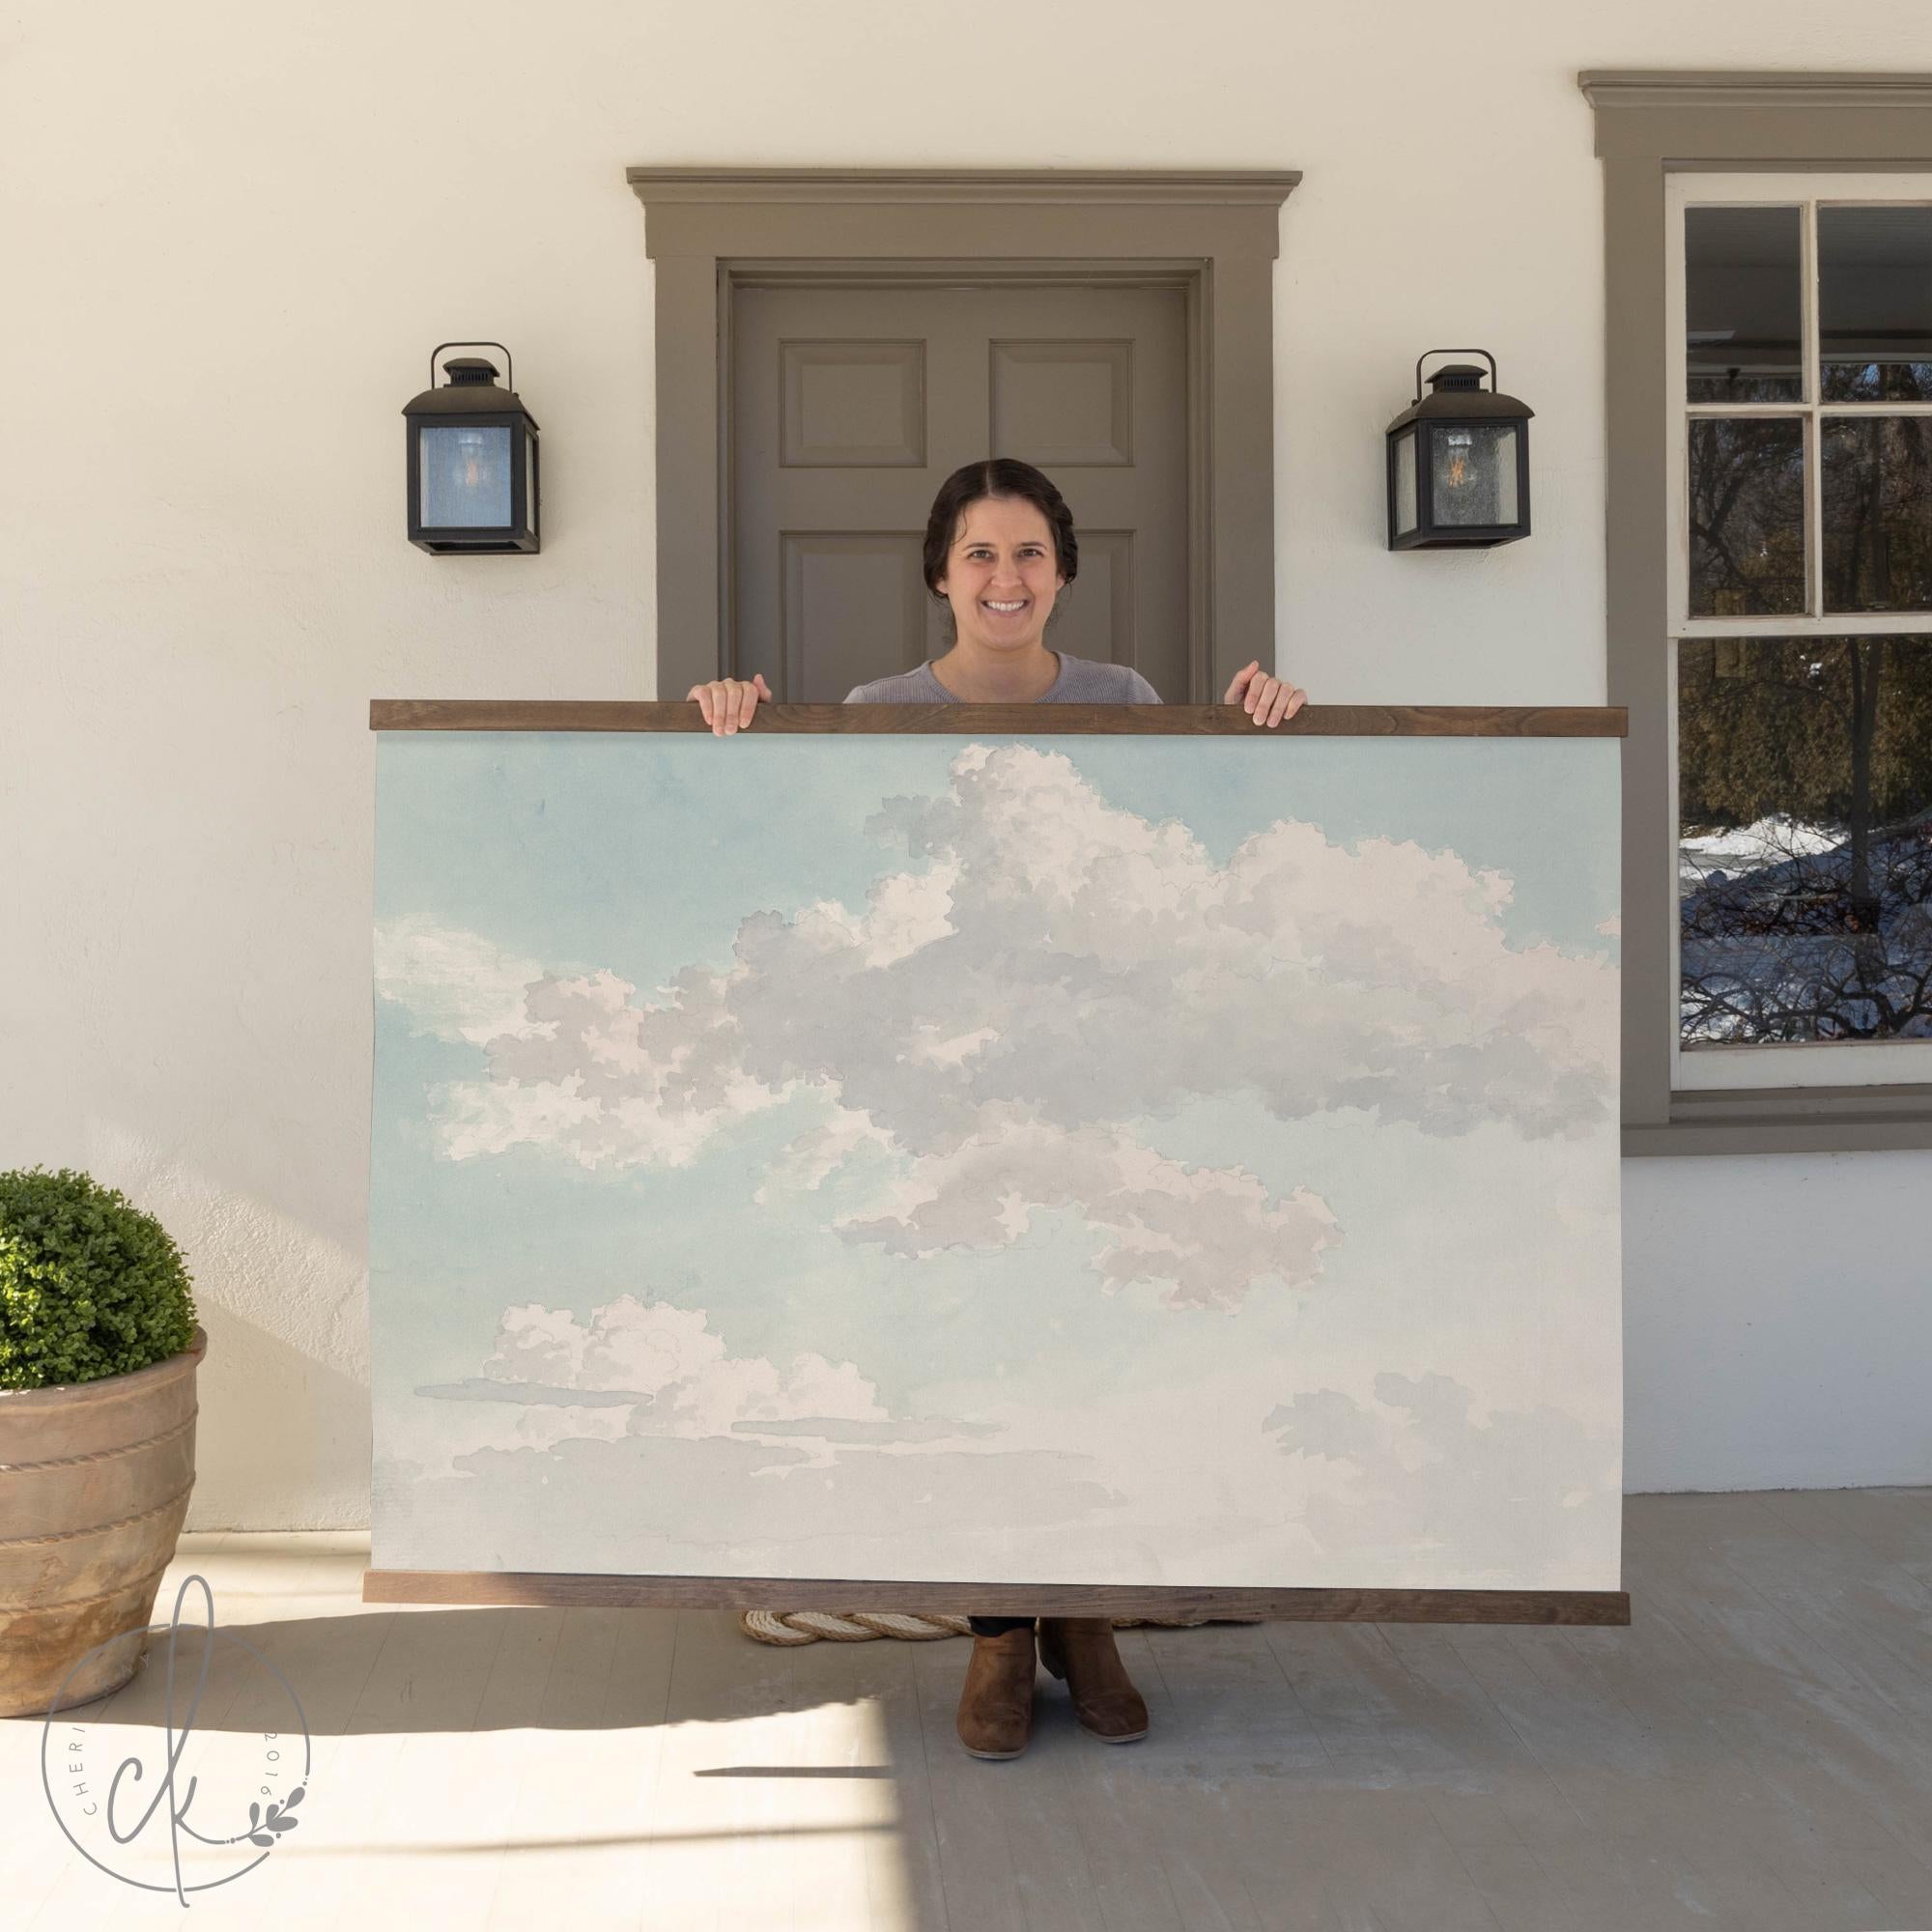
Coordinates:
1081 681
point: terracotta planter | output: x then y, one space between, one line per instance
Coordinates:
94 1488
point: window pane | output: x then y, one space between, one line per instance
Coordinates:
1804 841
1875 303
1741 304
1876 505
1746 516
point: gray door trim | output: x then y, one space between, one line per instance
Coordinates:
711 231
1649 125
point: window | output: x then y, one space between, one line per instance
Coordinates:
1800 596
1670 140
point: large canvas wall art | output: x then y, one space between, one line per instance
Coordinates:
1146 1158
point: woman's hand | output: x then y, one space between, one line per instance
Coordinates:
1268 700
728 704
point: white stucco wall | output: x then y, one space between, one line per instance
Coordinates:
230 235
1776 1322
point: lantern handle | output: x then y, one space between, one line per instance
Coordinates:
1495 381
510 368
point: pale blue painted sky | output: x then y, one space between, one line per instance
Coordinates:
625 854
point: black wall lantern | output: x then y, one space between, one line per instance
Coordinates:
1459 461
472 459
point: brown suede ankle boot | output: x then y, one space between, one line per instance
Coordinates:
1082 1650
996 1700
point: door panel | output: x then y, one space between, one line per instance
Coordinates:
850 407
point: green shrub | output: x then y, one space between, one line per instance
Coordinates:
89 1285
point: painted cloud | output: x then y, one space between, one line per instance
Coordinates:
1423 1475
455 984
666 1364
633 1367
1047 972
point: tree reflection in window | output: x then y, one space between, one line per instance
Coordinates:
1804 839
1746 516
1877 509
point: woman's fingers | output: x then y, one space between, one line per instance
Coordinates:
749 695
1288 700
1272 699
726 703
1239 682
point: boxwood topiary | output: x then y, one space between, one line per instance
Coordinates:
89 1285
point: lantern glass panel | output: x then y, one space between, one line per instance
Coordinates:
1472 475
1404 483
529 483
466 476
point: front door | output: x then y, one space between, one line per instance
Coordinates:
851 406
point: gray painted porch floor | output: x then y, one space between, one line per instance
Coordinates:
1754 1752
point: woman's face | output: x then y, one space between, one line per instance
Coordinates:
1001 575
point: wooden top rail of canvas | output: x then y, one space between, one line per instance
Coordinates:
1312 720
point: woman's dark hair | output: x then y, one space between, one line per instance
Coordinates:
997 476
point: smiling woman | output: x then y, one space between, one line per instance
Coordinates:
1000 552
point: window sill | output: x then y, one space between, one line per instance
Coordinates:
1789 1120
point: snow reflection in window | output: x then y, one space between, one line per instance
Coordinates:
1804 839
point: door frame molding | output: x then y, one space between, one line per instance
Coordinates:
711 231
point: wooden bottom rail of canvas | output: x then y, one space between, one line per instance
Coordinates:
863 1626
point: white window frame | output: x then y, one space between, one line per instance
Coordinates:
1798 1062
